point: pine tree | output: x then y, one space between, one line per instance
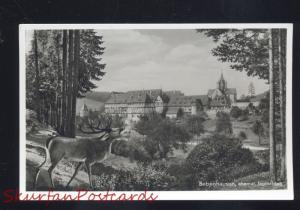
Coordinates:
251 90
62 70
37 76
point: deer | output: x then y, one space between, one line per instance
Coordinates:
87 151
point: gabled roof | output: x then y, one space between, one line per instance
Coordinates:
172 110
132 97
188 100
203 98
174 93
153 93
215 103
138 98
180 101
229 91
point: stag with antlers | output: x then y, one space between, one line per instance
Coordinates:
87 151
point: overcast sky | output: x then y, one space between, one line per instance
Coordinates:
168 59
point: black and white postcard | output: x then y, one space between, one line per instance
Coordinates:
174 111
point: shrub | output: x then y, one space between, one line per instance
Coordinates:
162 135
220 158
235 112
141 178
184 179
133 149
258 129
194 124
265 116
223 123
242 135
243 117
180 113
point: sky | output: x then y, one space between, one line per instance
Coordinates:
170 59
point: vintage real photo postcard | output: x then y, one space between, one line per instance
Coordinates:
182 111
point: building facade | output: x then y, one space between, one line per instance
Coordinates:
133 104
222 97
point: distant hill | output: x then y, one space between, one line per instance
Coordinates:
94 101
98 96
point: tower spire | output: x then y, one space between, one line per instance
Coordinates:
222 84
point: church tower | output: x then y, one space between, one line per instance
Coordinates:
222 84
84 112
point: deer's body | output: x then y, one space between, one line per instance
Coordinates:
83 150
79 150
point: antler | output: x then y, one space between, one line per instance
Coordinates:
96 125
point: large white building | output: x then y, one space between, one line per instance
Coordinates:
133 104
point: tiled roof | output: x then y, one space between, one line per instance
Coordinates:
203 98
172 110
153 93
174 93
215 103
138 96
228 91
188 100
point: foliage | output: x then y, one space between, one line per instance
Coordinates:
53 80
162 135
167 136
242 135
264 103
258 129
147 123
244 115
194 124
235 112
218 158
117 121
180 113
245 50
223 123
143 177
133 149
265 116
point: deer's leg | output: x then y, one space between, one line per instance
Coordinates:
50 173
75 173
89 169
51 168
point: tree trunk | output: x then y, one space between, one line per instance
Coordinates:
37 78
59 85
282 118
271 117
69 85
64 84
75 79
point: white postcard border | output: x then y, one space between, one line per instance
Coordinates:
287 194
